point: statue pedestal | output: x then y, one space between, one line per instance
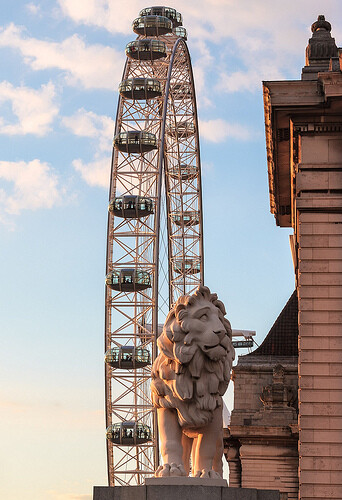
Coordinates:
185 481
182 488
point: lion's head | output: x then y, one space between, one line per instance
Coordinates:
192 371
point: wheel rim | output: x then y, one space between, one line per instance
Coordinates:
170 174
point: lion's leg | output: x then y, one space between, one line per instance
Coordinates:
187 446
193 456
206 448
217 462
171 443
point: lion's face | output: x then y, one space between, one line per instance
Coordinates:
204 329
195 330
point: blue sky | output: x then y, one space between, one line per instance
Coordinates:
61 63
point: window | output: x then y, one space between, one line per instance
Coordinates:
114 355
118 204
126 278
115 277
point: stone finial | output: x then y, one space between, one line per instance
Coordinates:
320 49
321 24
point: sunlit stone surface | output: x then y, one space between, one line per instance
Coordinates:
304 149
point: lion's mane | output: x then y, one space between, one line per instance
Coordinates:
183 376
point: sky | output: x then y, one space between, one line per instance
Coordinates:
61 63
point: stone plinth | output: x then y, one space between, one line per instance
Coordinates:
181 489
185 481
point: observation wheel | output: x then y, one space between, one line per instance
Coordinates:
154 238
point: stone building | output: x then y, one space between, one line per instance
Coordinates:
261 442
304 152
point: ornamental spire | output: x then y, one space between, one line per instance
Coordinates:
320 50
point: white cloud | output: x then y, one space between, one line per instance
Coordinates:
252 40
207 167
99 128
258 34
204 63
219 130
35 186
33 8
108 14
95 173
88 124
91 66
34 110
249 80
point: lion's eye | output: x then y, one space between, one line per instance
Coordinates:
204 317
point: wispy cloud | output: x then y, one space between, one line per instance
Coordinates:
219 130
270 34
249 80
255 32
33 110
33 185
106 13
88 124
33 8
99 128
91 66
95 173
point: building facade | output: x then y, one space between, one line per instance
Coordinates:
261 441
304 152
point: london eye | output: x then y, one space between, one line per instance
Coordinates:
155 227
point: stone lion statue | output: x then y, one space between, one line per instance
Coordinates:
189 378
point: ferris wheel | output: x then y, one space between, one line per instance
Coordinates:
154 238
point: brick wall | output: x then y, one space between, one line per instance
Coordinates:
320 354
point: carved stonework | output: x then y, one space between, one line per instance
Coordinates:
189 378
278 395
312 108
321 48
261 441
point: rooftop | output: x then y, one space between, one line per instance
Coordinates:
282 339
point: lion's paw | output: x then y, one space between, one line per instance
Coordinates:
212 474
177 470
163 471
172 470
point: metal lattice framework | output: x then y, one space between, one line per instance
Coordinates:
168 177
